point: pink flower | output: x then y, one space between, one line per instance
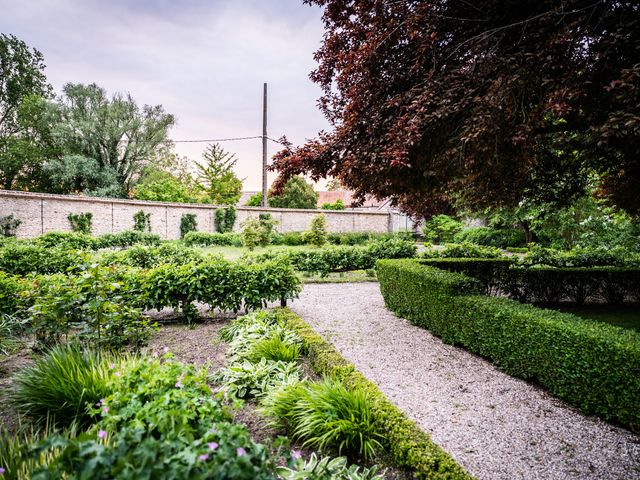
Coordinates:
203 457
117 374
212 445
296 454
213 430
2 470
102 434
241 451
178 384
112 366
105 409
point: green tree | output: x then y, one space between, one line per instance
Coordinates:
216 177
163 186
255 200
22 85
79 174
297 193
115 131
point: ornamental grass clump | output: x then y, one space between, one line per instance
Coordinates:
61 385
326 416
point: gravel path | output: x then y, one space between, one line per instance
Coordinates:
496 426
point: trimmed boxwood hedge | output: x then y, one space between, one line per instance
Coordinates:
409 447
589 364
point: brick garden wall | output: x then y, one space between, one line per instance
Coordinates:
41 213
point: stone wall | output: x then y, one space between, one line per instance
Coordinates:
41 213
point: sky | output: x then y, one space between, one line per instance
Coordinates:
205 61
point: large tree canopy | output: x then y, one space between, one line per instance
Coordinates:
115 131
22 86
486 102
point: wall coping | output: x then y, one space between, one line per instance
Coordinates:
150 203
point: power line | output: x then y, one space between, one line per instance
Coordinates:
233 139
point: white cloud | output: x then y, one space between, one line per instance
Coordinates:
204 61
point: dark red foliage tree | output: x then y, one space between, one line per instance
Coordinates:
484 102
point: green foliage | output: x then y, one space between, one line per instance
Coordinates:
337 205
80 222
160 420
216 177
327 468
10 288
441 229
126 239
249 380
81 241
229 218
142 221
147 257
188 223
589 364
297 193
203 239
163 186
68 240
115 131
275 348
61 385
409 446
317 235
100 301
220 284
343 259
11 330
350 238
257 231
464 250
74 174
21 259
8 225
327 416
582 257
255 200
22 86
492 237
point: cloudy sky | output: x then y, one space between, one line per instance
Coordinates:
204 60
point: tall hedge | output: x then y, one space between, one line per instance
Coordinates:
589 364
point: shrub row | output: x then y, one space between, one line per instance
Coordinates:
539 284
342 259
591 365
410 447
582 257
491 237
24 258
80 241
203 239
294 239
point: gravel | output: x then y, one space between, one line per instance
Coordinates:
496 426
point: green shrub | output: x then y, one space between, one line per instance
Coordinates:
349 238
127 239
491 237
220 284
582 257
81 222
188 223
101 301
203 239
493 273
142 221
61 385
10 288
21 259
317 235
441 229
293 239
326 416
589 364
252 233
408 446
464 250
337 205
67 240
225 219
9 225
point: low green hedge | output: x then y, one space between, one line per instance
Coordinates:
203 239
409 447
589 364
24 258
81 241
491 272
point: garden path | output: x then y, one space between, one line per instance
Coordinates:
496 426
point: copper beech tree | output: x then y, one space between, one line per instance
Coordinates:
484 102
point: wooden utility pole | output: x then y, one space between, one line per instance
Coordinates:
264 148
